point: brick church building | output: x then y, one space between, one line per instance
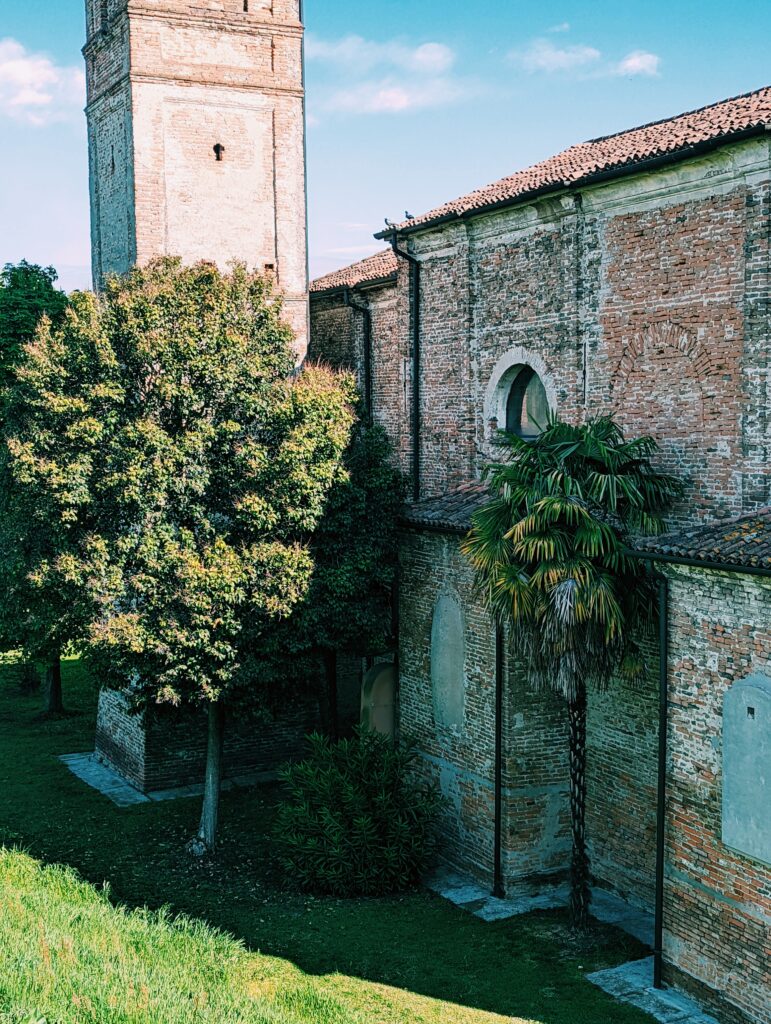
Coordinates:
630 274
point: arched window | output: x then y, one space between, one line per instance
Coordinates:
527 407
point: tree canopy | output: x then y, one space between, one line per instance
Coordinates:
164 438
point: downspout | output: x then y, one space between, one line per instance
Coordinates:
415 316
367 369
710 564
500 655
661 817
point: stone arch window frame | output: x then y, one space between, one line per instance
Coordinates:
504 373
449 594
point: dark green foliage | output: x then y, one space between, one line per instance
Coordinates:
348 606
354 821
27 293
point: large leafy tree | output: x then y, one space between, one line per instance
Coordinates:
27 293
349 604
550 552
185 465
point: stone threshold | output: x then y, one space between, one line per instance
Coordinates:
630 983
89 769
633 983
525 896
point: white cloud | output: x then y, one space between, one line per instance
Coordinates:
357 54
543 55
391 96
368 77
35 89
639 62
564 26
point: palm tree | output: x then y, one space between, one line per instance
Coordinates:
551 559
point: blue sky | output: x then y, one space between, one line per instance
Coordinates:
411 102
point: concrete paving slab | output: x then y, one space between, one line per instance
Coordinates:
109 783
97 775
633 983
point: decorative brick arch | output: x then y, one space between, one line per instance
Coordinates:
656 339
668 384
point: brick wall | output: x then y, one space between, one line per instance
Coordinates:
460 758
647 297
167 748
337 338
167 83
717 902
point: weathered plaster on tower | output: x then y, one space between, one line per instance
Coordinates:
170 80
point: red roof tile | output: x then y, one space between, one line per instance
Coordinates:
587 160
381 266
743 542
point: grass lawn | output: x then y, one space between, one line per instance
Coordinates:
406 959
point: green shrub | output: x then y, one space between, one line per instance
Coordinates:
354 822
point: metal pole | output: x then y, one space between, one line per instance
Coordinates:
661 818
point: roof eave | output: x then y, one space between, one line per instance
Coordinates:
702 563
360 286
597 177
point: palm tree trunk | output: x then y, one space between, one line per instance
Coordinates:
54 700
580 892
206 838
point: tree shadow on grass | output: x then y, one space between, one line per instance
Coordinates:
382 957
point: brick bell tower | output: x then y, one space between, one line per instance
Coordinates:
196 130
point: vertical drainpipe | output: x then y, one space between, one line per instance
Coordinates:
661 820
415 316
367 361
500 655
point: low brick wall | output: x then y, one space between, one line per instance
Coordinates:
168 749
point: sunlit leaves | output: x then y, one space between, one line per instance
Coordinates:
178 467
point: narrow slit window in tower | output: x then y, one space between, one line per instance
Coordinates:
219 152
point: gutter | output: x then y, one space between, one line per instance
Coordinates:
661 800
414 264
597 177
663 583
367 319
500 654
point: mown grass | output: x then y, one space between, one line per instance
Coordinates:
404 960
68 954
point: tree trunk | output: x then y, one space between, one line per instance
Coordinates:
330 673
54 702
580 892
206 838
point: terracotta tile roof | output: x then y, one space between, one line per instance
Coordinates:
581 163
745 541
450 512
373 268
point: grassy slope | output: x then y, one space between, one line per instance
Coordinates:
410 959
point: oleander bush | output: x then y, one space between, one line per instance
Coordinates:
355 822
